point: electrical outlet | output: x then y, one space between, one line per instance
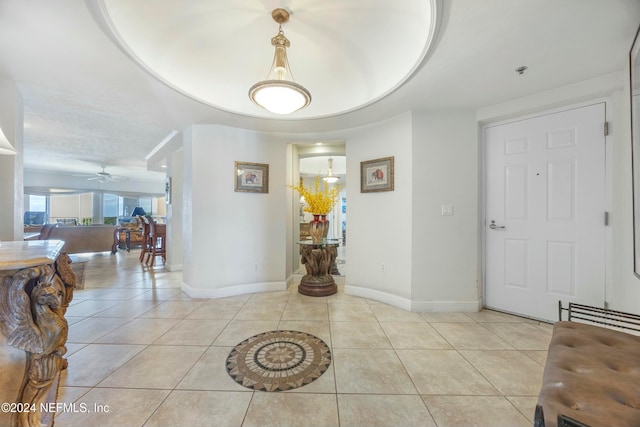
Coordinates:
255 267
382 268
447 210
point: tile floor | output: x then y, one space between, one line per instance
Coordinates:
152 356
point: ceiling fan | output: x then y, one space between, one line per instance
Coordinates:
102 176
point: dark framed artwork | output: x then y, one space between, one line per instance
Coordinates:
376 175
634 74
251 177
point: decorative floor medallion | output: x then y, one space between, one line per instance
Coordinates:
278 360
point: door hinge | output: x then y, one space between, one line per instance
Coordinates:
606 219
606 129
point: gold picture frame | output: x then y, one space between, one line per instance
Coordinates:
251 177
376 175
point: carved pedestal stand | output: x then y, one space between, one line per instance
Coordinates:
319 260
33 301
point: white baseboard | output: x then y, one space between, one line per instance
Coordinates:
230 291
414 306
376 295
173 267
447 306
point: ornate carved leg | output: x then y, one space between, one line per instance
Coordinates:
32 306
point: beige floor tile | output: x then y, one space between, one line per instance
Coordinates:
446 317
160 294
412 335
174 309
296 297
73 347
261 311
276 296
495 316
120 294
201 409
130 308
376 371
292 410
470 336
210 373
511 372
362 410
526 405
90 307
358 335
159 366
325 384
95 362
313 327
444 372
523 336
126 408
540 357
71 394
215 309
92 328
192 332
239 330
388 313
377 386
305 311
139 331
341 312
478 411
74 319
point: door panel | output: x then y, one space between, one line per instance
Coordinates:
545 193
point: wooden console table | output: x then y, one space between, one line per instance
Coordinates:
36 288
319 260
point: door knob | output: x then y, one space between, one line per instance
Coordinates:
493 226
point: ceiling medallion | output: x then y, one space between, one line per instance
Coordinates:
279 93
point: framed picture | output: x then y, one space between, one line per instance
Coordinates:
634 73
252 177
376 175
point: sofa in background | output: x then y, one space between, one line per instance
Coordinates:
81 238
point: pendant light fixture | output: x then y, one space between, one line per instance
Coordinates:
5 146
279 93
331 178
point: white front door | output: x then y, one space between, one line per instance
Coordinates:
545 204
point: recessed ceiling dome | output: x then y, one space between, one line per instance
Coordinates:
347 53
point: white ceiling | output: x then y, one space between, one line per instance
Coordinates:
87 103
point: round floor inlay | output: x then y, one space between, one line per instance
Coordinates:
278 360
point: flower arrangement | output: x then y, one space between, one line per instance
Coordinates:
321 200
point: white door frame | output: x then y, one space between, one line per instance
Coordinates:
483 220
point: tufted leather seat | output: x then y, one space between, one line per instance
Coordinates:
592 375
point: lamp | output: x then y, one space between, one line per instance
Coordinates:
138 211
5 145
279 93
331 178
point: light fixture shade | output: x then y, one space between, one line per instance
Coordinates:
279 93
138 211
5 146
280 96
331 178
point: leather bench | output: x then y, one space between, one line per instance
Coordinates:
591 378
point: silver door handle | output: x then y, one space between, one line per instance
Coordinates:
493 226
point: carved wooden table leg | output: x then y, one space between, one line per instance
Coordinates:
318 260
33 302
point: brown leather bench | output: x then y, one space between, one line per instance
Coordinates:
592 374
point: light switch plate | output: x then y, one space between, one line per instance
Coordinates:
447 210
